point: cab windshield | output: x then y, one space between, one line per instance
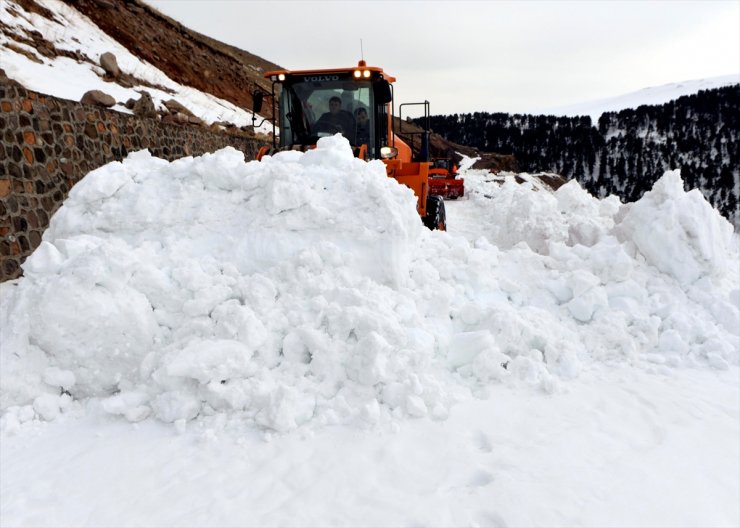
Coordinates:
311 109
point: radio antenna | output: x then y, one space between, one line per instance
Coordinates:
362 52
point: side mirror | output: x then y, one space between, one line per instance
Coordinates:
382 92
257 98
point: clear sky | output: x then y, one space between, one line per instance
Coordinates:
494 56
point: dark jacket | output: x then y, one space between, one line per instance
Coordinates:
342 122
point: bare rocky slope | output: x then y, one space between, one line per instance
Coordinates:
186 56
441 147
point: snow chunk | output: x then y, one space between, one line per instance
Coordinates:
47 406
211 360
59 378
678 232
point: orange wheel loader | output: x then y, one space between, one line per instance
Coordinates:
358 103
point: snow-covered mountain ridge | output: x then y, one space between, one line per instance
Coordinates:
653 95
626 151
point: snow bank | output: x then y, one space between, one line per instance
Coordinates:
304 289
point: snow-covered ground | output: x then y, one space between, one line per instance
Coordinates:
213 342
619 447
654 95
66 78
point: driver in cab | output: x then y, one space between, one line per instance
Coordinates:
336 120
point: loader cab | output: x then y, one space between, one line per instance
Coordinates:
316 104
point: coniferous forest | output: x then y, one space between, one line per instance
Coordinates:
627 151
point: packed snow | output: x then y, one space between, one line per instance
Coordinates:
282 343
69 79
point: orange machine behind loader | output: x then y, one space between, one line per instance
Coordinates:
444 180
317 103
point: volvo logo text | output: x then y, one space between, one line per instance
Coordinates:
317 78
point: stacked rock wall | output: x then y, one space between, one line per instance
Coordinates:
48 144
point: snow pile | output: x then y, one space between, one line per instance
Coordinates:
511 215
686 239
66 78
199 283
656 281
304 288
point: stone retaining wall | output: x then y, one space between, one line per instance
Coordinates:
48 144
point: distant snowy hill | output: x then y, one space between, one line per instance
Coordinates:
647 96
625 152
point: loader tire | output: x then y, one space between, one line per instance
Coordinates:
436 217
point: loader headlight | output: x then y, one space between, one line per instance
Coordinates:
388 152
281 77
366 74
358 74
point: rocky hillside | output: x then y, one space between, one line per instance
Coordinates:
442 147
116 52
186 56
